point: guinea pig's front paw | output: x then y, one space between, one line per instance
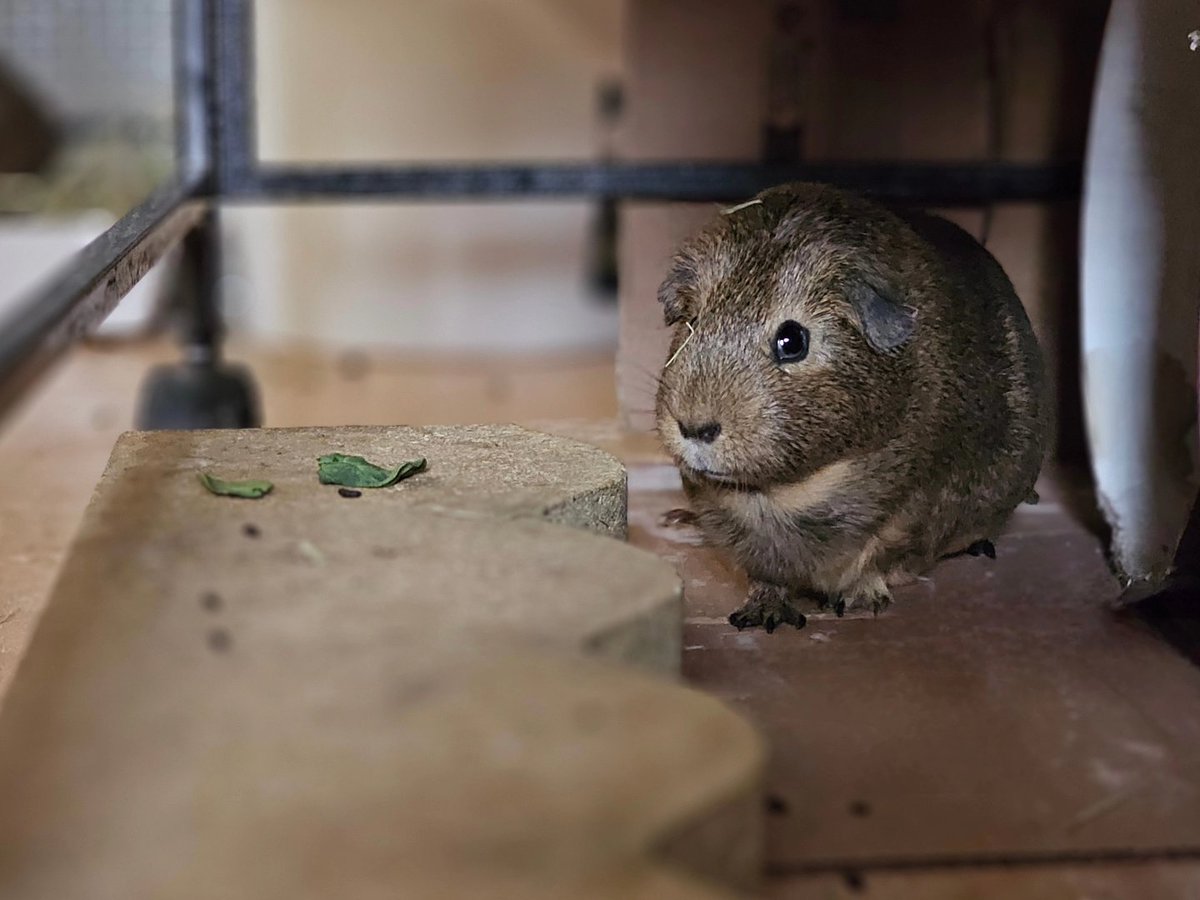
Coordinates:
880 602
830 602
876 599
768 606
678 518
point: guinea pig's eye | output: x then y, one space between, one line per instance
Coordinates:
791 342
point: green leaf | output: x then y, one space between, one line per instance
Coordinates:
249 490
354 471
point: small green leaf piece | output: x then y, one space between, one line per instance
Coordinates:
356 472
249 490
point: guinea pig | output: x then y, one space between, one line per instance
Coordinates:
852 393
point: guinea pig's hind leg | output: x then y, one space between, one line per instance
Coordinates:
978 548
768 606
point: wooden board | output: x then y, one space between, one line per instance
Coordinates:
309 695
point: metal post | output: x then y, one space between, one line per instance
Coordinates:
202 391
231 101
192 53
199 289
197 114
214 140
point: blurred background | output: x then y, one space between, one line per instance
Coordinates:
356 80
485 292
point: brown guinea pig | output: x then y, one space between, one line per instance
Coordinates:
851 394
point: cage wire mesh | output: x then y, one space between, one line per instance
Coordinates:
94 62
103 70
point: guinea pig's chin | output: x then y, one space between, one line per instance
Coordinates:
700 464
719 478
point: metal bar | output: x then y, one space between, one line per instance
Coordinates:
203 327
199 135
49 321
955 184
191 50
232 95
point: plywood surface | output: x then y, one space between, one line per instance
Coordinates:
54 450
310 694
1009 666
998 710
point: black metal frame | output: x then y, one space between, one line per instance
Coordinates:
218 163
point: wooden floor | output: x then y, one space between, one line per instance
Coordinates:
998 733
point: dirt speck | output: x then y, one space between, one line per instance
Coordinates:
219 640
211 601
251 530
854 880
776 805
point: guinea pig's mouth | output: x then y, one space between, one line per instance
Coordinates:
713 475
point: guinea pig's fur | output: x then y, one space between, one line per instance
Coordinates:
914 426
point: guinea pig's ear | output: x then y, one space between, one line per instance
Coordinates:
675 293
887 324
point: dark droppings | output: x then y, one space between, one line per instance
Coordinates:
860 809
776 805
251 530
349 493
219 640
854 880
211 601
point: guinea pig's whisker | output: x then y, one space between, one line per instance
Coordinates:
731 210
687 340
644 374
647 371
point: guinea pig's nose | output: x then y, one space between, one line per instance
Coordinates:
706 433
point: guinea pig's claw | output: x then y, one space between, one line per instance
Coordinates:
983 548
837 604
767 608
